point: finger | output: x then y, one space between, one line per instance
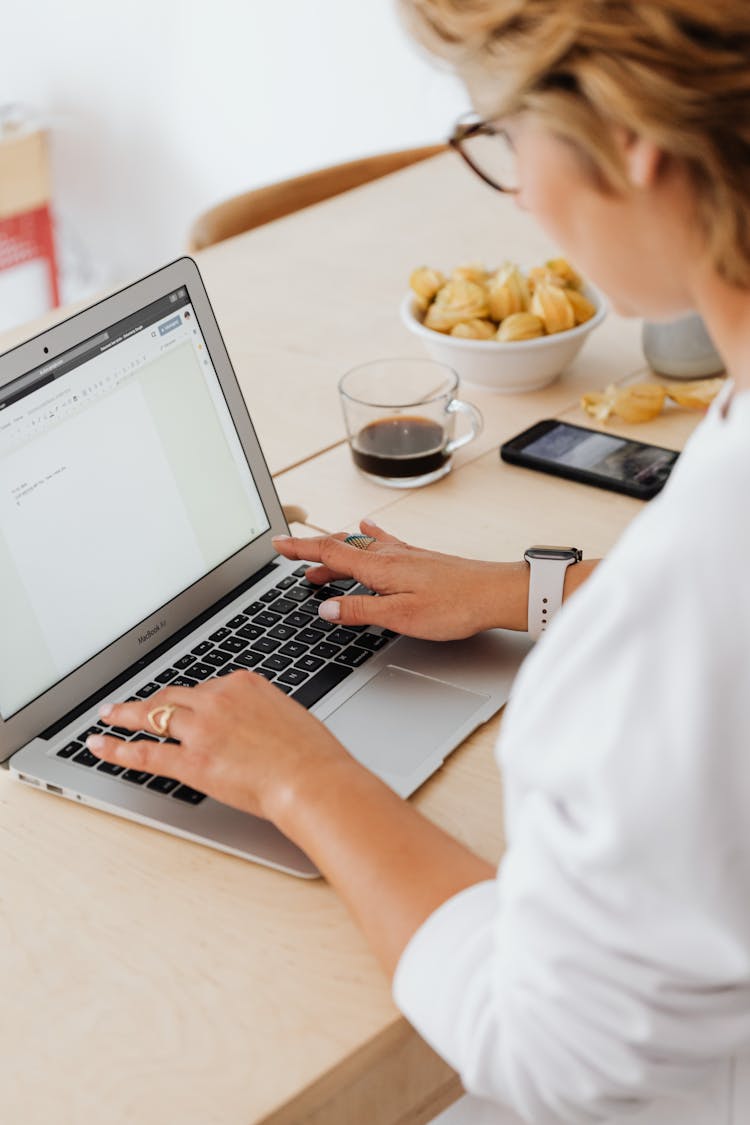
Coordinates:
154 757
342 559
133 715
366 610
302 549
374 529
323 574
292 548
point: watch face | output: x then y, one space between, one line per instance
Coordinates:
559 554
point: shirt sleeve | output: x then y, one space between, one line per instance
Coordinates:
608 967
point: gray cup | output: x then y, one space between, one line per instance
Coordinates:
681 349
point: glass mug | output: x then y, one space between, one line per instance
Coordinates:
400 419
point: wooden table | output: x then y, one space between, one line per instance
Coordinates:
150 980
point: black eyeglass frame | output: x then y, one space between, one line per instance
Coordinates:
462 132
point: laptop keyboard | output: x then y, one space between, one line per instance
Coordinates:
279 636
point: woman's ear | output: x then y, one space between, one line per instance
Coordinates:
642 158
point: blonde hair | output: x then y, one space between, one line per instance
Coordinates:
674 71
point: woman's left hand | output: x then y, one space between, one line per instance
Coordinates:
241 741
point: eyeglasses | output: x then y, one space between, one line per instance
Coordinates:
487 150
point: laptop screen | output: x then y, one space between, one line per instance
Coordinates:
122 483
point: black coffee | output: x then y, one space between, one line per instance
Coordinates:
402 446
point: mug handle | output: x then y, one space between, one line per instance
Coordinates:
455 406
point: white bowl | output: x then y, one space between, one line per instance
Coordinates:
523 365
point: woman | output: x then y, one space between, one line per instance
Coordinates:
603 973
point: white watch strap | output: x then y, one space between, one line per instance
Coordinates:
546 583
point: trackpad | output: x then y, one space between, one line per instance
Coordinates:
398 719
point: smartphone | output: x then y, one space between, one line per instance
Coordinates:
591 457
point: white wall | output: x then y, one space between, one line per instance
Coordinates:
162 109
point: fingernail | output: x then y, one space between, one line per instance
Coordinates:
105 710
280 538
329 611
95 742
371 523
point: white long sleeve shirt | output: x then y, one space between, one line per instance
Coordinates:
604 976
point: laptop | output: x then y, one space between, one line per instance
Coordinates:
131 407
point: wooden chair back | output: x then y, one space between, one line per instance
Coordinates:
263 205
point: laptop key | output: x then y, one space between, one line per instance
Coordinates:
269 596
138 777
325 650
266 619
321 683
341 637
322 593
308 636
265 644
219 634
201 671
91 730
86 758
301 571
268 673
217 657
110 767
203 647
354 656
167 675
162 784
234 644
293 676
283 605
298 620
184 681
185 661
285 583
293 649
372 641
235 622
228 669
69 750
277 663
286 688
192 796
344 583
281 632
321 626
253 608
250 632
249 659
309 663
147 690
297 594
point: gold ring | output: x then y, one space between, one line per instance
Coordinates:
361 542
159 719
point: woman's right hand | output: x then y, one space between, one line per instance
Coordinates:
421 593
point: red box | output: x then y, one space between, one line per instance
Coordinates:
28 268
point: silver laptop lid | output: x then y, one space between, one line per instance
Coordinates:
133 493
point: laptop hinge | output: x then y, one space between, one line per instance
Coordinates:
155 653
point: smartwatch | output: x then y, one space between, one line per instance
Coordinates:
546 582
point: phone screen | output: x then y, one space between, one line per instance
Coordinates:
602 454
